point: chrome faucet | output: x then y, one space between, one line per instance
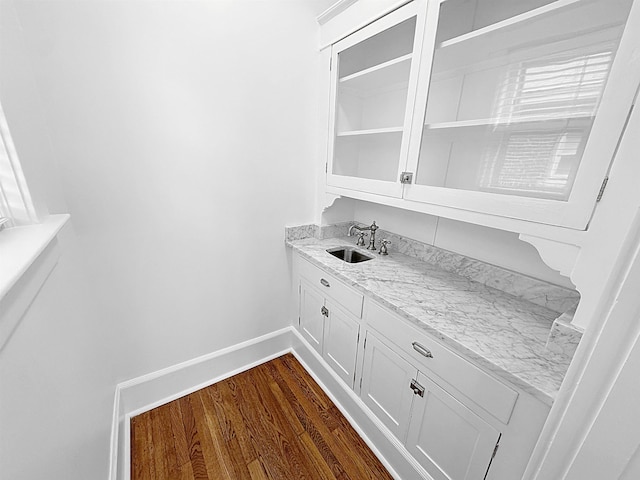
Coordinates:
371 228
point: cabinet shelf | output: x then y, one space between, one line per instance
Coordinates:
512 23
392 72
371 131
580 21
471 130
516 123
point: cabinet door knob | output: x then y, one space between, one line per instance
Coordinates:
424 351
324 311
324 282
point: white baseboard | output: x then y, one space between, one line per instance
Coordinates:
152 390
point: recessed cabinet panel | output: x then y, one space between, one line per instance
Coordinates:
341 343
311 317
447 438
386 380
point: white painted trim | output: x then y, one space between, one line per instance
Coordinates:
362 14
21 246
558 255
600 357
560 234
149 391
334 10
25 289
143 393
113 441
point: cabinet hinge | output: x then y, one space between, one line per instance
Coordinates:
602 187
326 167
365 343
360 383
495 451
331 63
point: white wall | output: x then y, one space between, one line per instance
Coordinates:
184 134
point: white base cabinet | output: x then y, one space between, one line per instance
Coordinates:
341 335
447 417
443 435
447 438
329 319
385 385
311 320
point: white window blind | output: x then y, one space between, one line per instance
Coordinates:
16 206
559 95
564 85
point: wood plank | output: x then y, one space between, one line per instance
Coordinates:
193 440
271 422
179 437
222 455
256 470
228 396
140 457
275 430
291 444
323 470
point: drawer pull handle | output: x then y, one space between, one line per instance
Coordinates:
422 350
324 282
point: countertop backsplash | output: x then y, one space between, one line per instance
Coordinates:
554 297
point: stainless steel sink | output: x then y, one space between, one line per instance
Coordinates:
349 254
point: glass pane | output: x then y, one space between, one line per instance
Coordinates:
373 157
511 104
371 102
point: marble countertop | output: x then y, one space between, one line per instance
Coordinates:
501 333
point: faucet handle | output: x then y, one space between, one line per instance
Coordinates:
383 247
360 241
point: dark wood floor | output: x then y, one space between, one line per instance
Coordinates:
271 422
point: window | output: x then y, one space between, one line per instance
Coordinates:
16 206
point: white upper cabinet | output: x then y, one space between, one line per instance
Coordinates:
516 112
372 97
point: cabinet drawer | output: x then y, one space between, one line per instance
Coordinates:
349 299
489 393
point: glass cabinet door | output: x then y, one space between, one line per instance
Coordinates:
373 90
510 94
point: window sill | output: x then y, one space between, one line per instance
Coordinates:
27 258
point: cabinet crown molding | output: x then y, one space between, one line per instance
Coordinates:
334 10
